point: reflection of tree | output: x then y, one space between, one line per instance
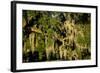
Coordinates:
51 35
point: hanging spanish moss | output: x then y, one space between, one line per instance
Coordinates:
51 36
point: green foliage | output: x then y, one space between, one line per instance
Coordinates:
86 39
